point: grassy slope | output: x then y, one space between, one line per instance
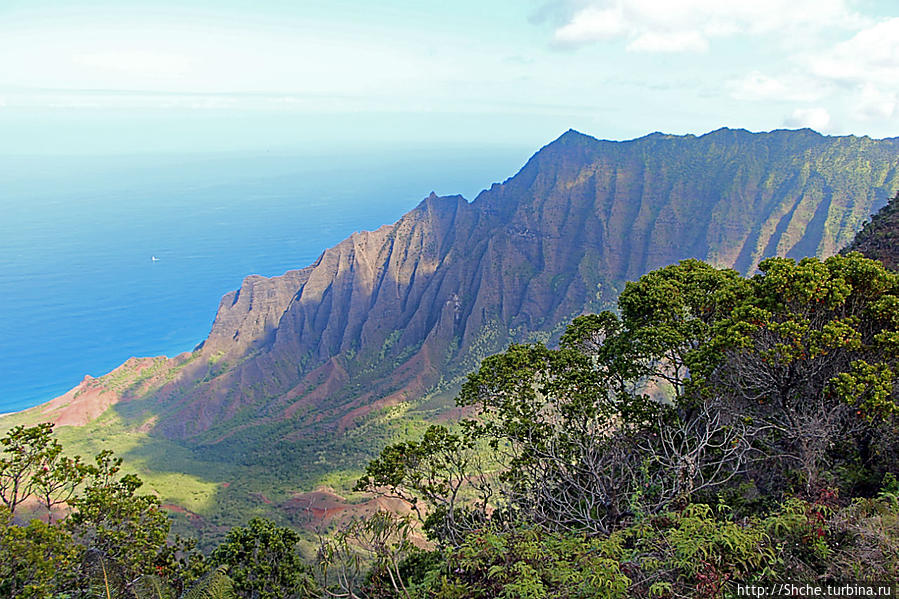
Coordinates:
217 494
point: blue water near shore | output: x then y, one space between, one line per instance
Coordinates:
80 292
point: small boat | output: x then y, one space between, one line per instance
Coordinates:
154 259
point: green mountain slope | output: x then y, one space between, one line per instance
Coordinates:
879 239
310 373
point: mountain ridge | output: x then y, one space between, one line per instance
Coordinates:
389 316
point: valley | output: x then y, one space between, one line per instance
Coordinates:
304 377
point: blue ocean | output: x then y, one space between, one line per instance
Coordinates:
103 258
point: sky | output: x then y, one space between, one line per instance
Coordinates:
132 76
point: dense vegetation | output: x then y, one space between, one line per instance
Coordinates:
879 238
720 429
716 429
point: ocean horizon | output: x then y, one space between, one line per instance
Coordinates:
107 257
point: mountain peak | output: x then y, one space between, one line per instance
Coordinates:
570 141
572 136
573 133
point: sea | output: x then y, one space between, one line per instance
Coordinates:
107 257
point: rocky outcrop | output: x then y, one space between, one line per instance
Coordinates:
386 315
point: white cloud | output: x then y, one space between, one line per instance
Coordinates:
675 41
815 118
688 25
592 24
870 56
860 73
874 103
759 86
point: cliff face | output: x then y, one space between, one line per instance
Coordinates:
387 315
879 239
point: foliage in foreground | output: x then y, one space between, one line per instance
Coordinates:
689 553
98 533
742 426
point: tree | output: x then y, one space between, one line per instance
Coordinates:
379 542
263 561
436 476
810 357
25 450
120 526
36 560
33 465
114 532
705 381
57 480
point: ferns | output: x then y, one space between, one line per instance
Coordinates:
152 587
215 585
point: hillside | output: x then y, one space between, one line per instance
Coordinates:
310 373
879 239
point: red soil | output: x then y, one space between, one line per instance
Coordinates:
89 399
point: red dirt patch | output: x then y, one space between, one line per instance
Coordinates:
194 517
324 506
261 497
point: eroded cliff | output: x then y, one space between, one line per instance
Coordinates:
389 315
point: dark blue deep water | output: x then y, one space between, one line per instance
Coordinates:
80 293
